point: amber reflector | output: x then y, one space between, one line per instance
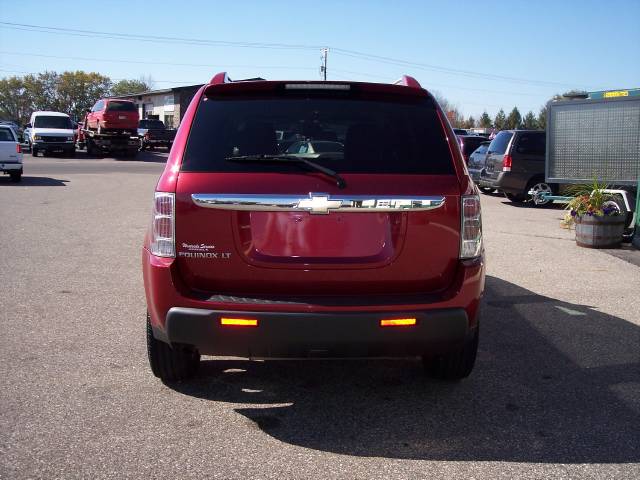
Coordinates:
397 322
241 322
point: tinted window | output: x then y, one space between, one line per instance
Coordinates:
46 121
321 147
151 124
471 143
531 144
6 135
500 143
121 107
379 135
481 149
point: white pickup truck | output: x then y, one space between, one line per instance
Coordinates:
10 153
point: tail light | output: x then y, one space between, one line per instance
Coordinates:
163 231
471 232
506 163
18 148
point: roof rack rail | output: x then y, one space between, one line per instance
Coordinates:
407 81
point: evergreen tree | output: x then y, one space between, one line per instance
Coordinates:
500 121
529 122
485 120
514 120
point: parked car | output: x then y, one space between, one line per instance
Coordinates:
50 132
154 133
14 126
10 153
515 164
468 144
314 148
113 116
244 258
460 131
476 164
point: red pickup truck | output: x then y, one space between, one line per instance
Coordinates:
371 250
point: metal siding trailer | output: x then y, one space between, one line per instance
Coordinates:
596 138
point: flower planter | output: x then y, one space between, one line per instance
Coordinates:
599 232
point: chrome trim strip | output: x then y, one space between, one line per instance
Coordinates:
315 203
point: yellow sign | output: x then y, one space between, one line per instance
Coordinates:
619 93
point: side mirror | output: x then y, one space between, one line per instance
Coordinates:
28 125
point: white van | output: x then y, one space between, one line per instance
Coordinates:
50 132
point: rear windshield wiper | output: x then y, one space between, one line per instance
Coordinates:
293 159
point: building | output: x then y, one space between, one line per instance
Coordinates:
168 105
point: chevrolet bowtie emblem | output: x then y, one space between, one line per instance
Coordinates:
319 203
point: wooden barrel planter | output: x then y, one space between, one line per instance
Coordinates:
599 232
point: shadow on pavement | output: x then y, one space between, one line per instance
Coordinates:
34 182
530 204
554 382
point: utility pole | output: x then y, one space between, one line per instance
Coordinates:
323 67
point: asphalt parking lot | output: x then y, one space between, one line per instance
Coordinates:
555 392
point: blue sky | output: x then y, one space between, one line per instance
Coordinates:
544 47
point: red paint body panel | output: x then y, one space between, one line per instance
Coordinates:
120 120
374 259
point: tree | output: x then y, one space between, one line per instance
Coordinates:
542 118
124 87
500 120
78 91
470 122
529 121
485 120
14 101
514 120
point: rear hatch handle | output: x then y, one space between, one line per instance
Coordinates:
316 203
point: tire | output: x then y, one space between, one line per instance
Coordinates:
34 152
170 364
454 365
16 177
539 185
487 189
516 198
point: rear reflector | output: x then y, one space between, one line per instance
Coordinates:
239 322
317 86
397 322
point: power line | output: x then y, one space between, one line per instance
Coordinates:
116 79
142 62
151 38
339 51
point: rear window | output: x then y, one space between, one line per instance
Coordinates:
121 107
500 143
532 144
6 135
481 149
46 121
362 135
151 124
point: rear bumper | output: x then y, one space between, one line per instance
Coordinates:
298 328
10 167
304 334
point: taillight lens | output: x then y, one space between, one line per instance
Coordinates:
471 234
506 163
18 148
163 232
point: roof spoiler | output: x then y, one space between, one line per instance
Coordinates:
222 77
407 81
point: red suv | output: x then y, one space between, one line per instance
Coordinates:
113 116
372 250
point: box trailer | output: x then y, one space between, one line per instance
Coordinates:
597 138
